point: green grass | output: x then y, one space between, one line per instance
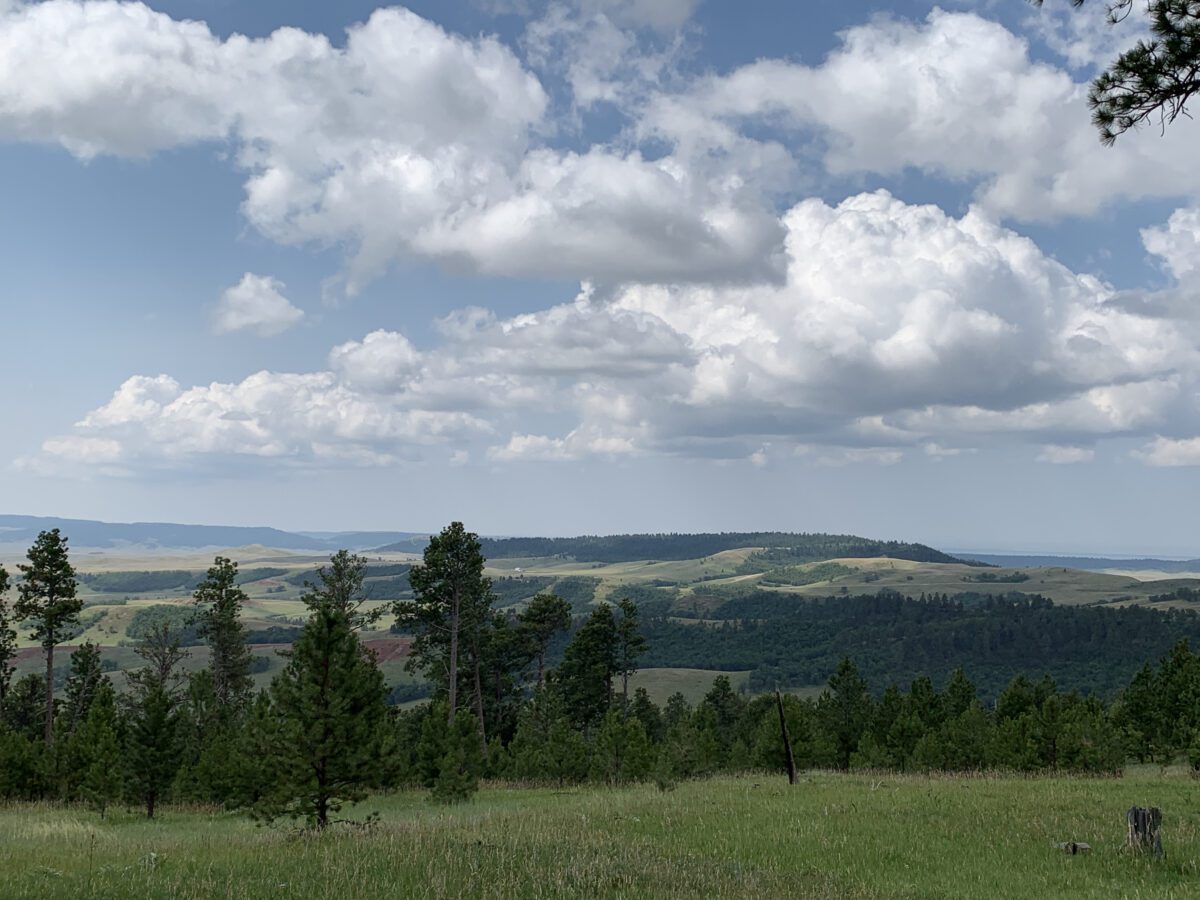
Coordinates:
1064 586
692 683
830 836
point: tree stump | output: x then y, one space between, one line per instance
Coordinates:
1145 830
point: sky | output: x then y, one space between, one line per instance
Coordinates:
595 266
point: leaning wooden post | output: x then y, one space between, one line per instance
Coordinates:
1145 830
787 742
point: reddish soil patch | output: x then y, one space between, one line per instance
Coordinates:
387 649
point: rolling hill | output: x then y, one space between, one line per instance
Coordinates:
618 548
22 530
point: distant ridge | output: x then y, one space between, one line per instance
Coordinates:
632 547
168 535
1088 563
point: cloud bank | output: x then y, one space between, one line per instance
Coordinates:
897 327
719 316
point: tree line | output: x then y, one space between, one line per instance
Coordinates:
322 736
618 548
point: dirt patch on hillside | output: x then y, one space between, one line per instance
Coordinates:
387 649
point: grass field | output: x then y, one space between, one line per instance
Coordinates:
829 836
692 683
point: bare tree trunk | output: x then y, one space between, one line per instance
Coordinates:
479 710
541 666
49 694
322 809
452 687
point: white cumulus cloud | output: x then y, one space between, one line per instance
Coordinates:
409 141
256 304
1065 455
895 327
1164 451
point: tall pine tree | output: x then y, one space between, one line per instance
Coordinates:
589 664
83 680
341 587
152 748
8 641
99 739
48 599
630 644
451 599
219 602
546 616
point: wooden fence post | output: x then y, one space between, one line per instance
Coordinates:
787 742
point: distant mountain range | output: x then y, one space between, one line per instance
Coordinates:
23 530
1087 563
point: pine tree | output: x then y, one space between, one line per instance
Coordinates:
8 641
545 746
83 680
159 648
645 711
250 775
546 616
329 714
1178 698
621 751
721 710
99 739
959 696
341 587
506 652
589 664
1140 714
25 708
48 599
630 644
219 601
677 710
24 763
846 710
152 750
458 767
1156 77
451 598
209 744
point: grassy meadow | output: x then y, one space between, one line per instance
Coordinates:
831 835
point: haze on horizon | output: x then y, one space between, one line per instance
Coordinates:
598 266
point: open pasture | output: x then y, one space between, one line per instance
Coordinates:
660 684
843 836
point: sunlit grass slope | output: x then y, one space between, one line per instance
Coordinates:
830 836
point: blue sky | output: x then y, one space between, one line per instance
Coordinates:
595 266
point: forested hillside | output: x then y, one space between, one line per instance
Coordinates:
801 547
893 639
